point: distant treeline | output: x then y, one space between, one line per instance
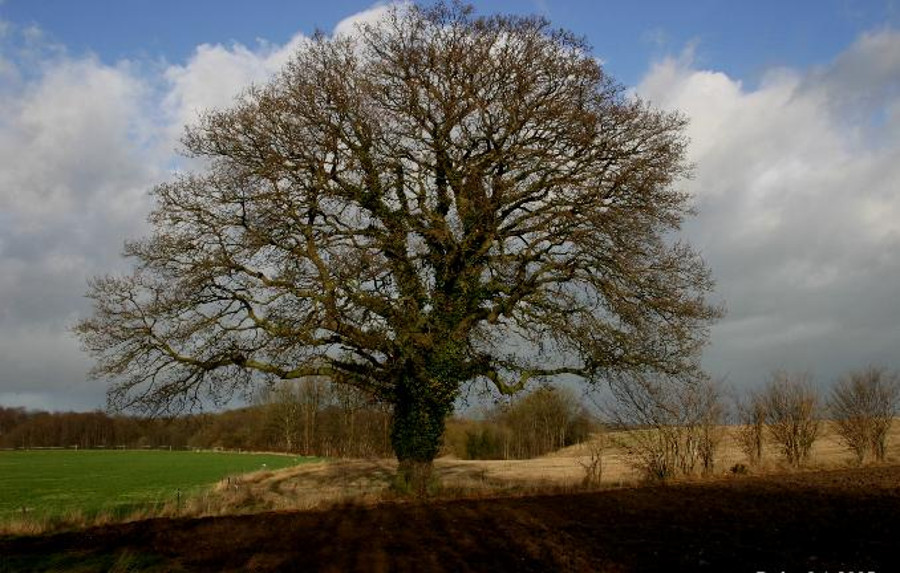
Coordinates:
537 423
309 417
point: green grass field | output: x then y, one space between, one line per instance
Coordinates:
60 481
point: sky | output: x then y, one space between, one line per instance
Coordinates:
794 112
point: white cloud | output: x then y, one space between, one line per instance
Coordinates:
216 74
75 170
70 137
799 207
82 142
348 26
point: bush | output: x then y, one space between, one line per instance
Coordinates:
676 425
862 406
751 431
486 443
792 413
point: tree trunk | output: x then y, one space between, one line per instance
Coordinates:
416 432
414 476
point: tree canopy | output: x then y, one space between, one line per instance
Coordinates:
437 200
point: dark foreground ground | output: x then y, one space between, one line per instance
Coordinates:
845 520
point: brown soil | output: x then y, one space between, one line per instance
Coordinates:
840 520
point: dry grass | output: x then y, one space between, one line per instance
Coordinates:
325 484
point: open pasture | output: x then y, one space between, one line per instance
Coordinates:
56 482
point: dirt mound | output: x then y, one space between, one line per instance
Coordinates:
816 521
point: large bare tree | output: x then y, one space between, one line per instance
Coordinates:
440 199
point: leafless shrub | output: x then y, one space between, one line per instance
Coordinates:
862 406
676 425
792 412
708 417
593 462
751 414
